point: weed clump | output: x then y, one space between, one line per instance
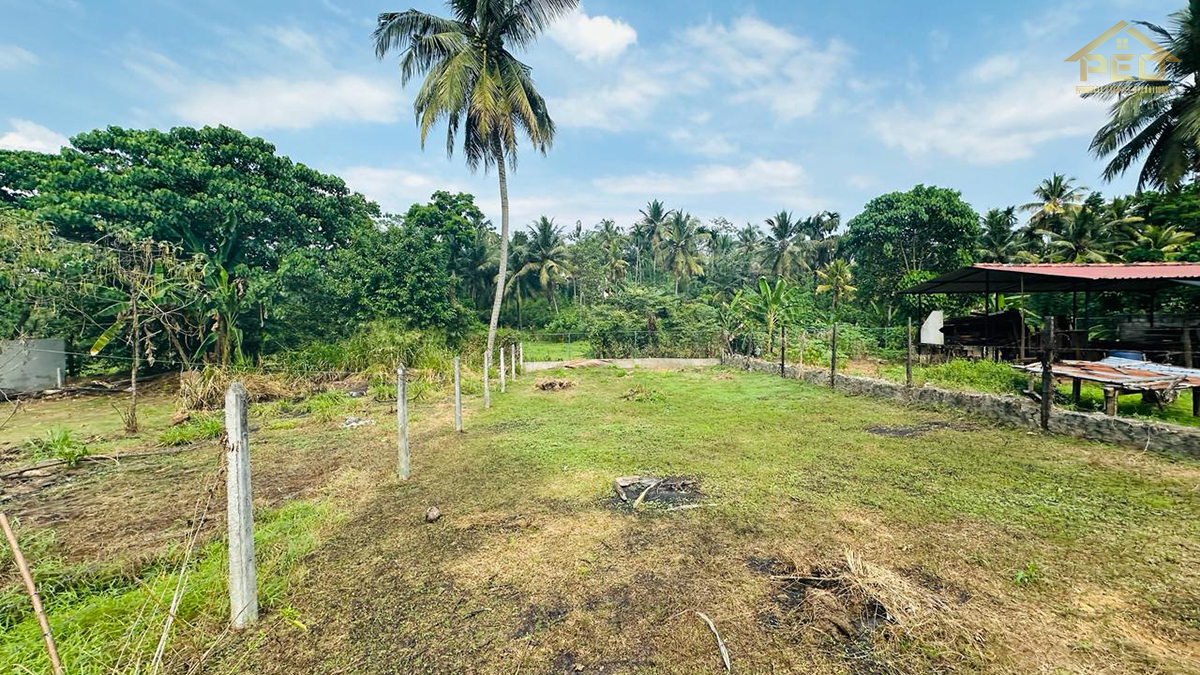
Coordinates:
198 428
642 394
58 443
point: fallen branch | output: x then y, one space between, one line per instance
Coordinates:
33 595
720 642
93 458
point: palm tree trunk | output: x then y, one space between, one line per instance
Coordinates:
500 278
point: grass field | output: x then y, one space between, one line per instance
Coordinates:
544 350
830 534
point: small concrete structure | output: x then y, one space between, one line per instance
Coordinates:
652 363
31 365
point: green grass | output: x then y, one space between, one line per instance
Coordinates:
539 350
59 443
1012 533
202 427
104 620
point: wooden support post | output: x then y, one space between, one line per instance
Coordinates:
908 355
782 350
457 396
26 577
404 463
1076 390
503 382
1195 401
1187 348
1047 371
243 585
1110 401
833 357
512 361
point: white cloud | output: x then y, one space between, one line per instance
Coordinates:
392 188
860 181
26 135
631 98
766 65
751 64
995 125
592 38
704 143
758 175
12 56
996 67
278 103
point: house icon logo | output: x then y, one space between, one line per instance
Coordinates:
1151 67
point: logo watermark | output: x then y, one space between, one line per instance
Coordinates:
1149 76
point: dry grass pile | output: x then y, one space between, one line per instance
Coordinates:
874 612
205 389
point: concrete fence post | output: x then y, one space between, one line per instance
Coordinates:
404 461
1047 370
521 353
512 361
457 396
503 383
833 357
243 584
58 376
782 350
908 354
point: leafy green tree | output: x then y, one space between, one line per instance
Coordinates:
926 228
547 258
213 192
1084 237
1055 199
1156 122
770 305
837 279
474 83
999 242
780 251
1155 243
680 248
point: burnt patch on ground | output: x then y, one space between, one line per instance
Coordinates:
919 429
554 385
670 492
536 618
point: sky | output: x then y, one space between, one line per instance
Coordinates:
734 109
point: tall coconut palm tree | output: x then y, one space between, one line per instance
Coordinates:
837 279
999 243
1055 199
1158 120
749 240
477 86
654 220
547 258
477 265
680 247
1085 237
780 251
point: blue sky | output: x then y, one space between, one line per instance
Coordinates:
734 109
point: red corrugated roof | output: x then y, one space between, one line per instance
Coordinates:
1175 270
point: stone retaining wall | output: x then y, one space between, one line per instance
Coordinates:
1012 410
651 363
